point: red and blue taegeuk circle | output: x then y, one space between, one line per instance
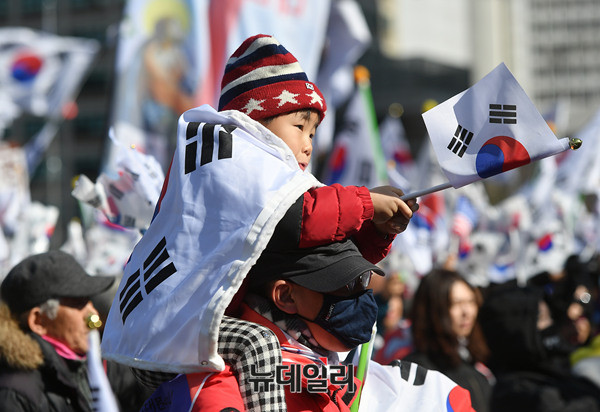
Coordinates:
25 66
499 154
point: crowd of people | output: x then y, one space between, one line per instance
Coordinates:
298 333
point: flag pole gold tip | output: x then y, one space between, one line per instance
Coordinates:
574 143
93 321
361 74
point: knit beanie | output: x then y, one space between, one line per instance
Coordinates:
262 79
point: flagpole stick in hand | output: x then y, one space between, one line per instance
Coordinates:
423 192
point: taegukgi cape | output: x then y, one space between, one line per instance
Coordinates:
230 182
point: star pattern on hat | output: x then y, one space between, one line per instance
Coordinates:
287 97
314 98
253 105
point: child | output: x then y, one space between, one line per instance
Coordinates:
265 81
236 176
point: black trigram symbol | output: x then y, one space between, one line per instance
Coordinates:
131 295
503 113
208 144
461 139
405 367
96 405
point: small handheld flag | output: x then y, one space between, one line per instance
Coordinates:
103 397
488 129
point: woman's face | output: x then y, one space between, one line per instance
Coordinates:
463 309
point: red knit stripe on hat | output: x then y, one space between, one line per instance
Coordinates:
274 60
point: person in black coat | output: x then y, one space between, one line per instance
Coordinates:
44 334
528 355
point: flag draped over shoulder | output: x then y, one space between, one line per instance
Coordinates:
488 129
230 182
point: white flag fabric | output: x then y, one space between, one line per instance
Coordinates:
355 158
230 182
576 165
410 387
128 195
347 38
397 152
103 398
490 128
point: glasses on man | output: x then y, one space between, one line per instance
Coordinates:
77 303
359 283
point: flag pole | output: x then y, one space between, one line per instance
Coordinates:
366 350
574 144
423 192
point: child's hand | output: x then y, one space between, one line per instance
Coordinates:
392 214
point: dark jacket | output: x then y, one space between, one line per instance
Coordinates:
465 375
55 385
529 374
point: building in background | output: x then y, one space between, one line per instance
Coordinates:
552 47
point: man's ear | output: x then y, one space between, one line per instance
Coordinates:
281 294
36 321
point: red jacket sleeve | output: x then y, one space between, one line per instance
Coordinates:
333 213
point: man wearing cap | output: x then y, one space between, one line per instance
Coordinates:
44 334
317 303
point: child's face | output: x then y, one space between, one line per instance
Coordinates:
296 129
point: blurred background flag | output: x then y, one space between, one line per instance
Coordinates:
396 149
357 157
42 72
490 128
348 30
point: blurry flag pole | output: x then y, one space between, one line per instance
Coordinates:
357 157
103 398
363 83
488 129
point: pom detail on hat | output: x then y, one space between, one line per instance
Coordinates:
262 79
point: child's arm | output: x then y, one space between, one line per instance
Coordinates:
334 213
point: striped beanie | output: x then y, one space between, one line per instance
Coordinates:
263 79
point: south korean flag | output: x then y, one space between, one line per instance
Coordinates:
488 129
230 182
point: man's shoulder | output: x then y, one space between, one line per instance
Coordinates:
21 387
